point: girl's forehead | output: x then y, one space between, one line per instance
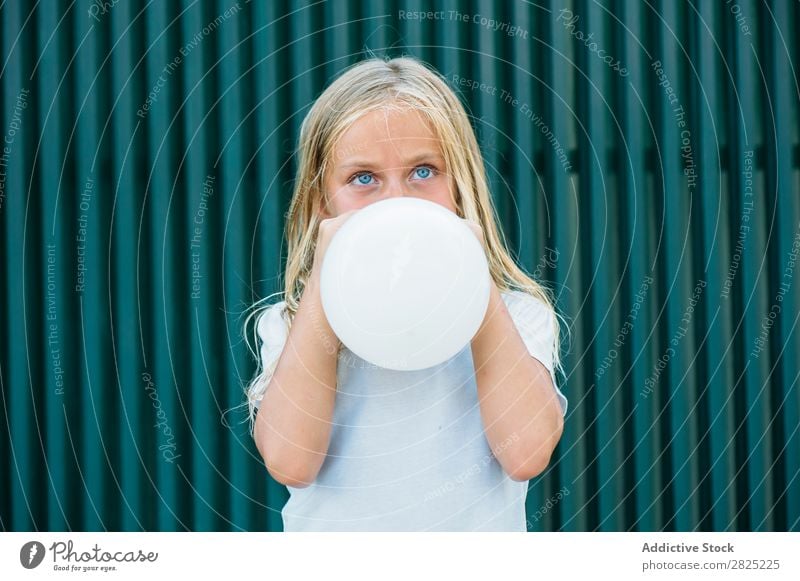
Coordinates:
398 121
405 128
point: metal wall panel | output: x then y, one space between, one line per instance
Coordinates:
148 167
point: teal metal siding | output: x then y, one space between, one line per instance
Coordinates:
145 183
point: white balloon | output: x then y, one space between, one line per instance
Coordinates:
405 284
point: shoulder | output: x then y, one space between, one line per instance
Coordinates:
533 317
537 325
272 321
522 304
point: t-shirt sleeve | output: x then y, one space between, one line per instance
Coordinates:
536 324
272 333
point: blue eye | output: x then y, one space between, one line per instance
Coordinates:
423 172
363 179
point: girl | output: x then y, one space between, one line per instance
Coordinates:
362 448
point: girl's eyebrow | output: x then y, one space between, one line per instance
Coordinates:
425 156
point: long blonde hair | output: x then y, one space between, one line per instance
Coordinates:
366 86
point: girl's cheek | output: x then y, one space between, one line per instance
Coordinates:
354 201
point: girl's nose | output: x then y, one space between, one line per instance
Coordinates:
395 189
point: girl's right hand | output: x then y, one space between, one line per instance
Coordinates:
327 229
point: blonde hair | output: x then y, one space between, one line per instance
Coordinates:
371 84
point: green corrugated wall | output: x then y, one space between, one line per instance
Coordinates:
147 167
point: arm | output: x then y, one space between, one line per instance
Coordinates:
293 425
517 398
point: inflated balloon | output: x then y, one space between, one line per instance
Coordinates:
405 283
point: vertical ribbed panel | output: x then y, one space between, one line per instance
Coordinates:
53 250
783 178
145 183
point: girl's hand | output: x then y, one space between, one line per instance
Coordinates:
327 228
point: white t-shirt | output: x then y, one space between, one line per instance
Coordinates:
407 449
